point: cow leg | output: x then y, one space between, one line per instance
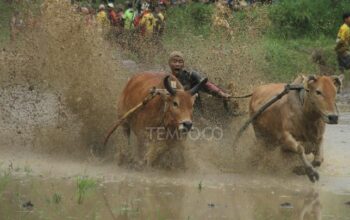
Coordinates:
127 132
289 143
153 153
121 149
178 155
143 144
318 160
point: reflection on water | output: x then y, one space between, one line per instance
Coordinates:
138 200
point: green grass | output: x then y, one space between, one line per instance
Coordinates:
5 16
28 169
84 185
5 178
56 198
194 18
282 60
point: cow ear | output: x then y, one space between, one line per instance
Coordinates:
164 95
338 81
311 79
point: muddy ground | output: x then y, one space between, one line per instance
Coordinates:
59 87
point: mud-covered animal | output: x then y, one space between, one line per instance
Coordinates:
296 122
164 121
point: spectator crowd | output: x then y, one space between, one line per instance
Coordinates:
146 19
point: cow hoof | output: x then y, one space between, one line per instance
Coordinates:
300 170
316 163
312 174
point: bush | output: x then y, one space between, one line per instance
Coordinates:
302 18
195 18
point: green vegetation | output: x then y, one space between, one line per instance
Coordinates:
297 29
5 178
5 16
279 39
288 33
84 185
200 186
194 18
307 18
7 9
56 198
27 169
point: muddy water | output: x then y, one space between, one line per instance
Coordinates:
51 186
136 200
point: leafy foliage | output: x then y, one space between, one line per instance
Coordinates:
300 18
195 18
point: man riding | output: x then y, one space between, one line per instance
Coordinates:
190 79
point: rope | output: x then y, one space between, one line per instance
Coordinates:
241 97
286 90
148 98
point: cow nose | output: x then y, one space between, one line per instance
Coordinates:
333 119
187 125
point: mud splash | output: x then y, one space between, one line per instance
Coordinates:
61 79
59 84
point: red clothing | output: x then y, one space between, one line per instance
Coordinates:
113 17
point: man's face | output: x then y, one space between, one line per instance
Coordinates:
176 65
347 21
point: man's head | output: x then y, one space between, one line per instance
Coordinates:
101 7
110 6
176 62
128 4
346 18
157 9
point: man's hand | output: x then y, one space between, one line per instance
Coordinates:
224 95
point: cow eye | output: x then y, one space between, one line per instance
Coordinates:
176 104
318 92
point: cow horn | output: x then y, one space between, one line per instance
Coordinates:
195 89
168 86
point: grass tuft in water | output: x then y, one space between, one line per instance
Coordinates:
84 184
200 186
5 178
56 198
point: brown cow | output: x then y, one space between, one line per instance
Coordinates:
157 125
296 122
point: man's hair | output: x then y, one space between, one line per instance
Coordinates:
176 54
346 15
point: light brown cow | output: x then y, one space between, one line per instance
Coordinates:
161 123
296 122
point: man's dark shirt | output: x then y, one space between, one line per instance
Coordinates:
189 79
